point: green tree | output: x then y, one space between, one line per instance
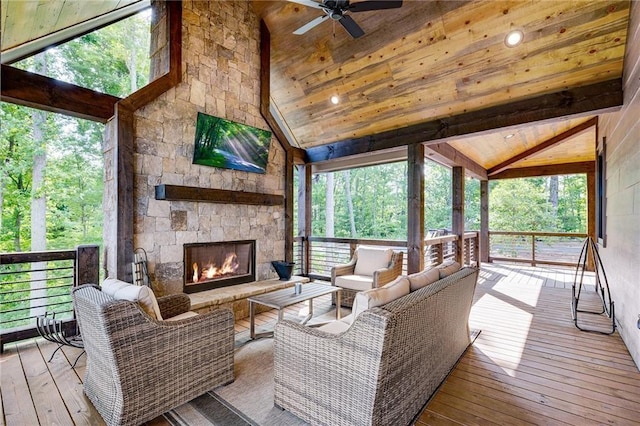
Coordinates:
520 205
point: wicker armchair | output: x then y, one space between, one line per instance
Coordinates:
139 367
351 280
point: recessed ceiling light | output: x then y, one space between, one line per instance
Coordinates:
335 99
514 38
509 136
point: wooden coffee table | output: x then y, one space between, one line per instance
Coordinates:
286 297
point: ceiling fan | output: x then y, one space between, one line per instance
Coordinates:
336 10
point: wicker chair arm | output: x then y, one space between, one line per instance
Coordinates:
174 304
343 269
386 275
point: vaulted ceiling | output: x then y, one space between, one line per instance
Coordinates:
433 59
420 63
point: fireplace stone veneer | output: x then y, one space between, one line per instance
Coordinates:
218 264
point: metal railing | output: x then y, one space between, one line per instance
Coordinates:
324 253
552 248
35 283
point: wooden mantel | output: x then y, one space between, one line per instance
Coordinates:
209 195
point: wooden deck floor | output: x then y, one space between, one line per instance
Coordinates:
529 365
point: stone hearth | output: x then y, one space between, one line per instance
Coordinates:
235 297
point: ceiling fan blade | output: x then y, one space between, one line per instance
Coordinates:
306 27
364 6
309 3
350 25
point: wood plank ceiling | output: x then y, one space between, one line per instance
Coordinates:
27 21
435 59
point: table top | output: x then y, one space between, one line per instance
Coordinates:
286 297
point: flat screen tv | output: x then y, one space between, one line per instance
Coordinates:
230 145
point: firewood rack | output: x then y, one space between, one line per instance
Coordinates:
590 252
51 329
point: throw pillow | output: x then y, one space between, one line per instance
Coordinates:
447 268
424 278
140 294
371 259
380 296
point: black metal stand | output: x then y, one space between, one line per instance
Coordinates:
51 329
590 250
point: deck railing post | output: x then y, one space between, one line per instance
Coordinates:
87 265
533 250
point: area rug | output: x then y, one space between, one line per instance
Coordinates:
246 401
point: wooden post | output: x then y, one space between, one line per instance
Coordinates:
415 199
476 249
457 210
439 252
87 265
123 168
591 214
533 250
484 222
304 214
288 208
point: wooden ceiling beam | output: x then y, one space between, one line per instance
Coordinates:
595 98
37 91
550 170
444 153
299 155
541 147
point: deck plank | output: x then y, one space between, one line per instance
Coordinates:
16 399
46 398
69 384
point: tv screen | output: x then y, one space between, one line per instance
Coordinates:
230 145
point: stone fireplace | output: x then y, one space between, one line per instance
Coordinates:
218 264
221 77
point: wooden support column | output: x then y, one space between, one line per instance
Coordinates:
289 227
484 221
415 210
123 169
591 213
304 214
457 210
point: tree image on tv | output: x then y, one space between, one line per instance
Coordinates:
230 145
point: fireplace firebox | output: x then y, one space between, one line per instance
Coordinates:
218 264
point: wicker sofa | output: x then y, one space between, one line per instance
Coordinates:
139 367
385 366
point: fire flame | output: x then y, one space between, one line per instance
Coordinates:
229 266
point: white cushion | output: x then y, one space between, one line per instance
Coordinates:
141 294
348 319
182 316
354 282
447 268
371 259
424 278
335 327
381 295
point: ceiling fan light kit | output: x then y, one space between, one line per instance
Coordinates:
336 10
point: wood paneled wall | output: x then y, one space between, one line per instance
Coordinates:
622 251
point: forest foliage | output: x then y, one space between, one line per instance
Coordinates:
378 195
51 166
72 147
